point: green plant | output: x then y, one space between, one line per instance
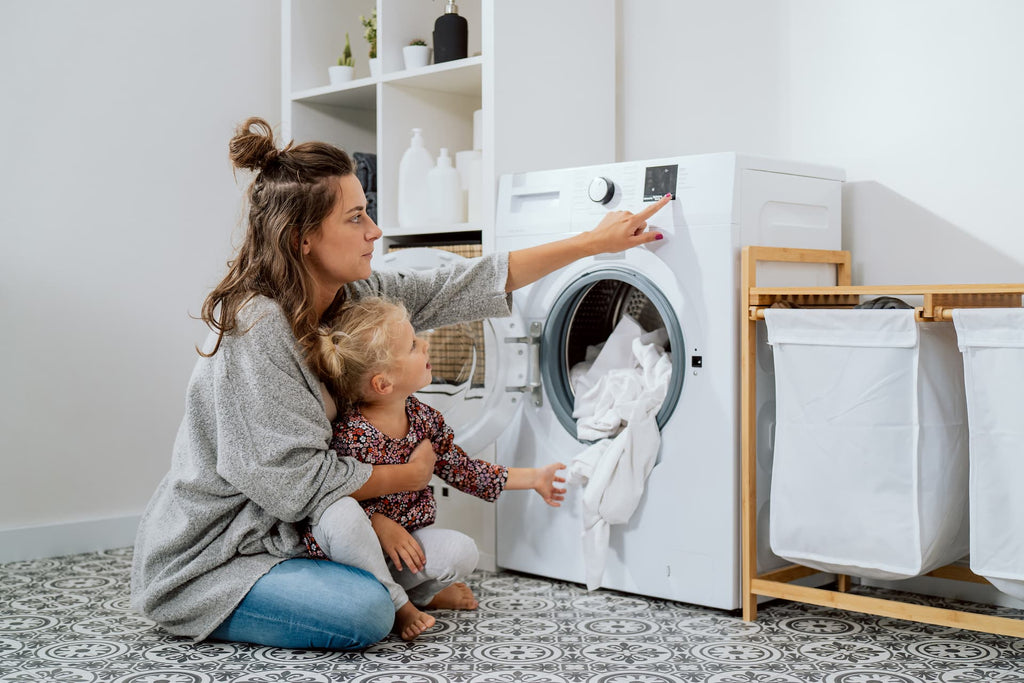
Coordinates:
370 32
346 55
417 42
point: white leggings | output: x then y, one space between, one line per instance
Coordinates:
346 536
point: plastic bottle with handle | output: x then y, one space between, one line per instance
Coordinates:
413 196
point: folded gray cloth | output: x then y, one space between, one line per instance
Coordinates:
884 302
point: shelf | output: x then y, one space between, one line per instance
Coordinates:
429 229
460 76
360 93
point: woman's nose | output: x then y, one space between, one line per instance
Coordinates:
375 233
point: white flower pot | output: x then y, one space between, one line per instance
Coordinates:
416 56
375 66
341 74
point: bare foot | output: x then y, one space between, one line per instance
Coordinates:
455 596
410 622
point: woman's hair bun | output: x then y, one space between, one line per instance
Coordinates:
253 146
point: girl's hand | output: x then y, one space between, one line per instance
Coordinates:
620 230
544 484
398 544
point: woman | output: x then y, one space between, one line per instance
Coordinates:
219 552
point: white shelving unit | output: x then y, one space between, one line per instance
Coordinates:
542 72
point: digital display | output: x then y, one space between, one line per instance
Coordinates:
659 181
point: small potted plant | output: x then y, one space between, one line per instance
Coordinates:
416 54
370 35
346 67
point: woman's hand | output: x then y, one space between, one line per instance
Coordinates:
413 475
398 544
617 231
620 230
421 465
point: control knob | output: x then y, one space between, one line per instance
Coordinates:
601 190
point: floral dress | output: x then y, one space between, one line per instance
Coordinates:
354 436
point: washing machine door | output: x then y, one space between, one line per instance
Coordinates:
583 314
481 369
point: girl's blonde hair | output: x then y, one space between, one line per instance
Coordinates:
356 347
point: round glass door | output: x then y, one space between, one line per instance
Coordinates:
582 318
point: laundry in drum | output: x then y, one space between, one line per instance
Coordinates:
619 379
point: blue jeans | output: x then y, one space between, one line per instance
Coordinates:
303 603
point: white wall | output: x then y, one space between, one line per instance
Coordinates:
919 100
119 208
697 76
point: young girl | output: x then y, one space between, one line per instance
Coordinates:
372 362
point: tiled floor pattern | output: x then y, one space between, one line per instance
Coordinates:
67 620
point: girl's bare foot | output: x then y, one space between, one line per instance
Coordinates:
455 596
410 622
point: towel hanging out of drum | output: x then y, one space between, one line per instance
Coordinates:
619 389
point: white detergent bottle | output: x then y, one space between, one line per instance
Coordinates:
444 187
413 202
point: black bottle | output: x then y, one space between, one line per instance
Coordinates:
451 35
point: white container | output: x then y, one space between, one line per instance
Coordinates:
474 188
468 172
413 199
416 56
992 342
444 192
478 129
341 74
870 469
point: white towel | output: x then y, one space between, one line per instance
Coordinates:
617 400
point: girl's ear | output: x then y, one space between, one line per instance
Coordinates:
381 385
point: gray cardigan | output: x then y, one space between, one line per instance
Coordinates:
250 459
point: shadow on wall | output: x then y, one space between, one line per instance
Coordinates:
895 242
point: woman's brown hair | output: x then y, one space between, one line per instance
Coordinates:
293 192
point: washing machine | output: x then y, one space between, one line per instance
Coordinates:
683 540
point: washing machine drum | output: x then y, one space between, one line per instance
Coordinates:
585 314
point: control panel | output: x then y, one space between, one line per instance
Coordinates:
623 182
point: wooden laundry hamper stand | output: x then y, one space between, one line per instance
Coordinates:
938 304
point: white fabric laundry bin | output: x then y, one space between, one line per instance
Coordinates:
992 342
870 476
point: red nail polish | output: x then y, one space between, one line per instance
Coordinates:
659 236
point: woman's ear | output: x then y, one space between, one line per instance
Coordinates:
381 385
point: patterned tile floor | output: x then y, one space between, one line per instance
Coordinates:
68 620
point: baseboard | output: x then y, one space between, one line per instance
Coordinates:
982 593
487 562
71 538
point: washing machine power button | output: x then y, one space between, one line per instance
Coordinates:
601 190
